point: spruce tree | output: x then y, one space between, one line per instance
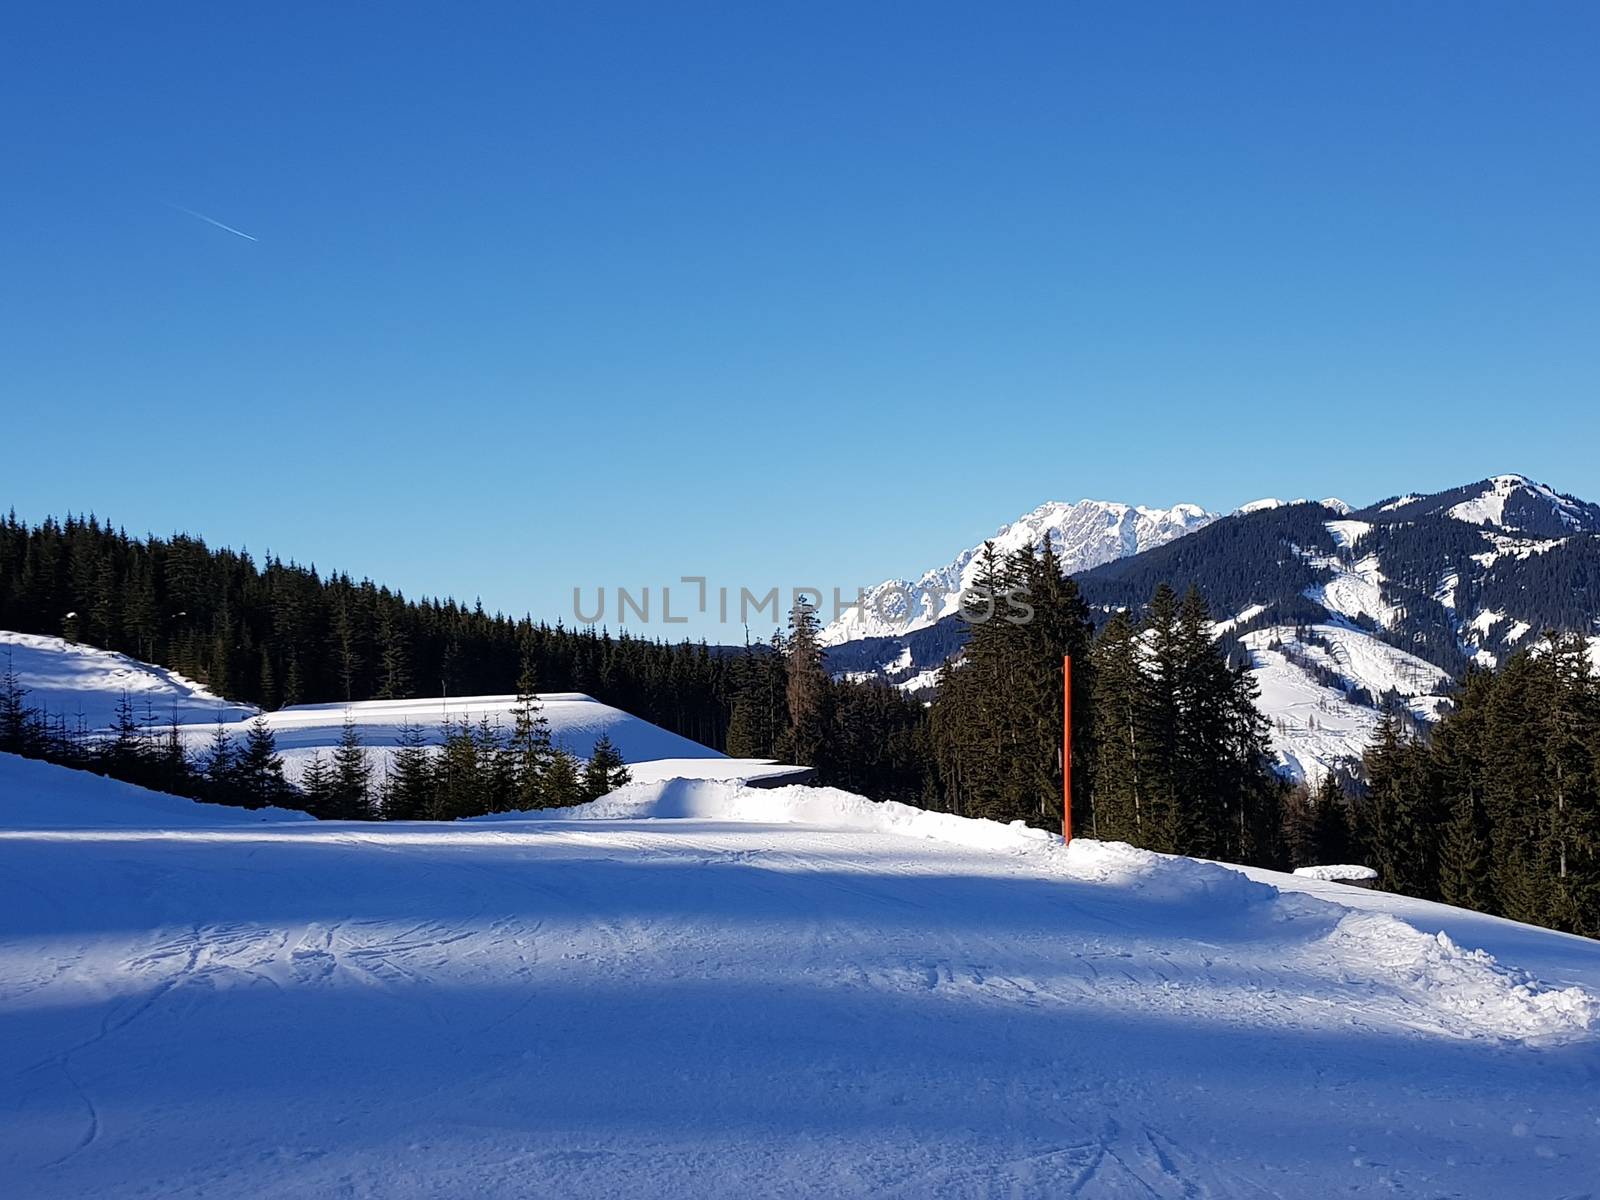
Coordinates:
217 767
1119 706
409 785
316 787
18 722
605 771
529 751
562 786
806 688
351 798
1330 827
258 773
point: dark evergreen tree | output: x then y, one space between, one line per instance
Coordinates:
562 785
408 791
351 795
258 773
605 771
529 751
217 767
806 688
317 787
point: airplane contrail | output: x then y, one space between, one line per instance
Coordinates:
213 221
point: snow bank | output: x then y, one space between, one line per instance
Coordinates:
1338 873
1484 997
795 804
41 795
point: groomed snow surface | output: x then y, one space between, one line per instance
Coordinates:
697 989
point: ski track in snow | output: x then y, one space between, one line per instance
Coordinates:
789 992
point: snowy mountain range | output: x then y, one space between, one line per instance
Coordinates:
1343 614
1085 535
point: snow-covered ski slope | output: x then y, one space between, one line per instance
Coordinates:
692 990
77 681
1314 725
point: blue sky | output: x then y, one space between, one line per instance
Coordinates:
549 295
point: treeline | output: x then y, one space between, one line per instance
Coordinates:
277 633
478 769
1498 808
865 737
1168 751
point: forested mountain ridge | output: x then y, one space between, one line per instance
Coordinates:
1347 614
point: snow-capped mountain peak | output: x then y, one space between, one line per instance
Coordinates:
1085 535
1512 503
1267 503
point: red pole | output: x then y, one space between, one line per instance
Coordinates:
1066 748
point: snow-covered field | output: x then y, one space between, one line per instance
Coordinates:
693 989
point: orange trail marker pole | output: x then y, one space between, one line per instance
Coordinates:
1066 748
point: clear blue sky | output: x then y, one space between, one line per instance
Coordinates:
548 295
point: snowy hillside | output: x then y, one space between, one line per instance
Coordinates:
697 990
576 723
71 679
1306 676
1509 502
1084 535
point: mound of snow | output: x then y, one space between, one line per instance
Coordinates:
40 795
1338 873
1468 992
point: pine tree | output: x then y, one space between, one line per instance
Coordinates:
806 690
258 774
1119 707
351 798
1162 661
122 754
1299 827
316 787
218 767
1059 626
1400 814
18 721
605 772
410 784
397 684
562 786
529 751
1330 828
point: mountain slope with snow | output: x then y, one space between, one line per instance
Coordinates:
1441 581
1084 535
697 990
